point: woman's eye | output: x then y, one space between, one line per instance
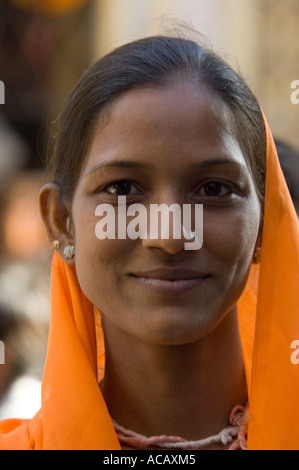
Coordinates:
121 188
215 189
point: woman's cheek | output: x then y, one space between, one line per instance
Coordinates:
99 264
230 235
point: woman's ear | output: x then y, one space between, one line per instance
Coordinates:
56 217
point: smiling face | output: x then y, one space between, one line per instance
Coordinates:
166 145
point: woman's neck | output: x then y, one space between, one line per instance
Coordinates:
187 390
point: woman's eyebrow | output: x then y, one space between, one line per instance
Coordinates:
116 164
218 162
138 165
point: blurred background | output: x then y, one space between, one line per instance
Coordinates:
45 45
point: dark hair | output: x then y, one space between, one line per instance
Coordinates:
153 62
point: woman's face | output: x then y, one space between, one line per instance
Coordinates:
166 145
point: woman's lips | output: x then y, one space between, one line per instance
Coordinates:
177 280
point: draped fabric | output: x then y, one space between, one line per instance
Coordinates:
274 379
73 413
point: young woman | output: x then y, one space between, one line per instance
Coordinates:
152 345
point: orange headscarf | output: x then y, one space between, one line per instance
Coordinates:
73 413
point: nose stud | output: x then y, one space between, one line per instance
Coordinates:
188 235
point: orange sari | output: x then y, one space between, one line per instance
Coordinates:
73 413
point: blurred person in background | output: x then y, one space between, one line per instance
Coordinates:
34 43
24 292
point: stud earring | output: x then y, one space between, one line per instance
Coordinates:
69 251
257 255
55 244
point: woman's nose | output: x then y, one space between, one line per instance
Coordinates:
164 228
169 245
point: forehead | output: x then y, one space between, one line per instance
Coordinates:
183 117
